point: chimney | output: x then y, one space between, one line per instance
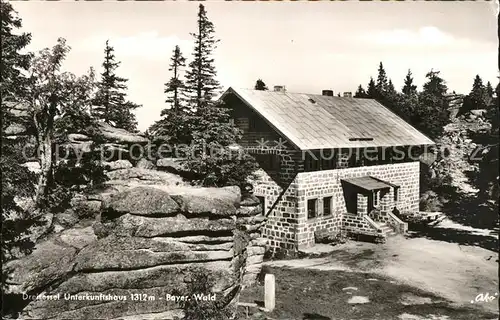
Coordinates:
328 93
279 89
347 94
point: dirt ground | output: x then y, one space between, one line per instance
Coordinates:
428 279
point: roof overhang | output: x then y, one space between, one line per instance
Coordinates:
232 91
370 184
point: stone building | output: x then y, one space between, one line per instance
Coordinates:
328 164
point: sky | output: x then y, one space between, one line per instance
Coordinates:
305 46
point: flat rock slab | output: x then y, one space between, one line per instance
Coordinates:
51 260
112 253
411 299
146 227
358 300
121 135
78 238
168 200
117 165
350 288
164 178
144 201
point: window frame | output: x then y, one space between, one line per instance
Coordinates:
262 200
315 208
311 164
330 206
329 164
254 123
396 194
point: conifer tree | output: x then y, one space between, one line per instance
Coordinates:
478 98
408 101
409 88
360 93
174 88
260 85
16 180
432 113
201 81
172 128
111 105
209 157
372 89
382 81
489 90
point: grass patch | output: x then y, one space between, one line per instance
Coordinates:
314 294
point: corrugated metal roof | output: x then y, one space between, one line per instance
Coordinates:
330 122
369 183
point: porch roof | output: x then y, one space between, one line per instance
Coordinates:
369 183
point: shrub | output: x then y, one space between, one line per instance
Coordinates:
430 201
224 169
201 283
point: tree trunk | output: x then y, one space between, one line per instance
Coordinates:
45 158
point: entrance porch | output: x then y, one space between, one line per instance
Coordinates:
370 203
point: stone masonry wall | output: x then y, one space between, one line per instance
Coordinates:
362 204
320 184
251 222
288 227
281 200
359 225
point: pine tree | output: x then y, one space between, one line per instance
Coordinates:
260 85
111 105
432 113
173 127
16 180
391 99
201 81
409 99
382 81
174 88
360 93
477 98
372 89
489 90
390 88
209 158
390 95
409 88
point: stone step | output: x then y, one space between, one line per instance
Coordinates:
386 229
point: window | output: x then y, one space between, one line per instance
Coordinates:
396 194
312 210
311 162
254 124
262 201
327 206
375 198
328 160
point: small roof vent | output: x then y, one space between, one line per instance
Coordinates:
311 100
361 139
279 89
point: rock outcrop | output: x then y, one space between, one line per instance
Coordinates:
147 241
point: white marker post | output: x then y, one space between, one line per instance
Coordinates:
269 292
